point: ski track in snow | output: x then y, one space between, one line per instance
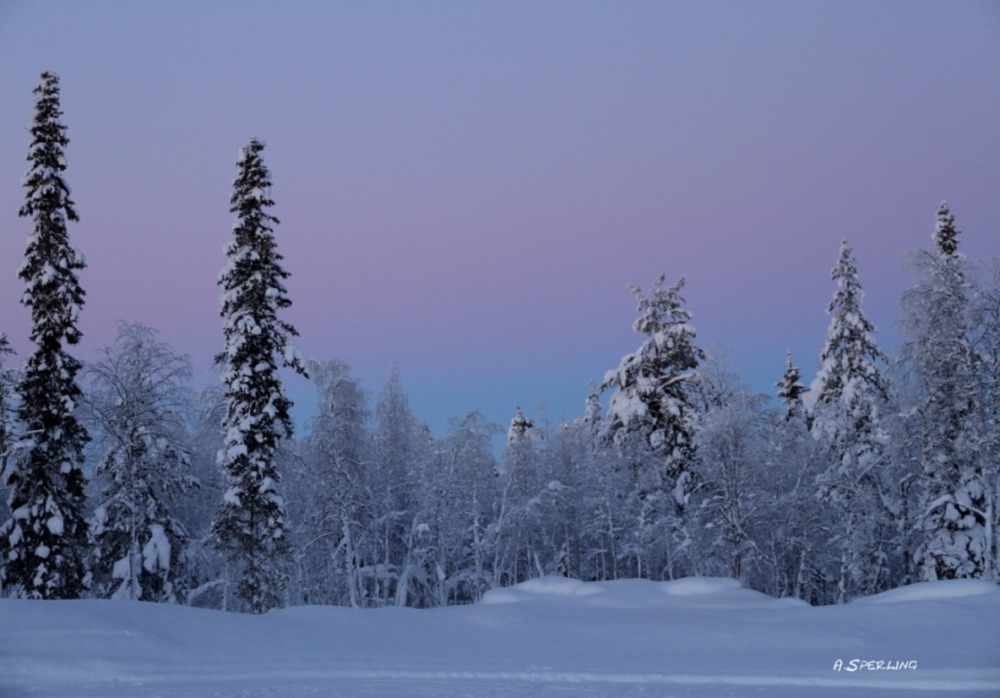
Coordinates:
387 682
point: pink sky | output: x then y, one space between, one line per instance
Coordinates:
466 189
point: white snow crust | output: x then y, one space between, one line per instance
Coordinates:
547 637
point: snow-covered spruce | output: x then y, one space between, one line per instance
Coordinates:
951 425
650 417
850 399
8 382
249 527
794 538
791 390
652 386
43 544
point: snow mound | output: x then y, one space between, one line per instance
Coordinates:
631 593
545 587
933 591
699 586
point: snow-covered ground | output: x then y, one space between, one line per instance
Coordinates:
548 637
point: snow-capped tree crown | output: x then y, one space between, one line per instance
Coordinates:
850 356
945 232
662 309
654 397
665 361
43 180
520 427
253 292
49 269
791 389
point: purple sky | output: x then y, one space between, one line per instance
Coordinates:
466 189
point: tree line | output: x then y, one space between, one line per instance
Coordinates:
123 481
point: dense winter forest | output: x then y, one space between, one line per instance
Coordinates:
123 481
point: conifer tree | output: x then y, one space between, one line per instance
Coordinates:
850 356
653 396
791 390
44 543
8 381
651 419
847 419
955 499
793 535
249 527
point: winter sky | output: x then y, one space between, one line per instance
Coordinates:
466 188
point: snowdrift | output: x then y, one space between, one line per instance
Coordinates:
547 637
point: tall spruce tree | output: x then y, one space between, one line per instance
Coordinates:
249 527
44 543
955 499
847 417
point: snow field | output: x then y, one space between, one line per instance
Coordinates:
547 637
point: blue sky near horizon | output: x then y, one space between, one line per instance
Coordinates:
466 189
